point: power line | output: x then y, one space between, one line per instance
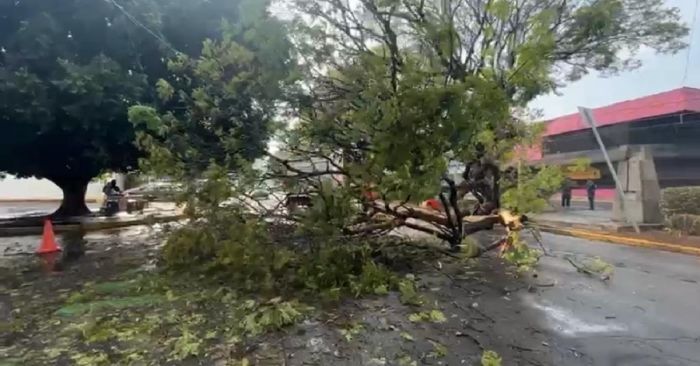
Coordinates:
690 44
144 27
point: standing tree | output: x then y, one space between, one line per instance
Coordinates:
70 69
406 85
216 112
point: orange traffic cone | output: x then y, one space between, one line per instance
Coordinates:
48 240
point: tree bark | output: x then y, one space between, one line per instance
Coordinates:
73 203
470 224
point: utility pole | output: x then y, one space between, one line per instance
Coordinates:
445 9
587 116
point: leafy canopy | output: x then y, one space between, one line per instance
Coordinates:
398 88
215 113
65 90
218 108
69 71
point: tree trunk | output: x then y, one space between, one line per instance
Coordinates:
73 199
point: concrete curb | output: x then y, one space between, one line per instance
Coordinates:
596 227
113 223
620 239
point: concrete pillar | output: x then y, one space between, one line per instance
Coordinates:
641 187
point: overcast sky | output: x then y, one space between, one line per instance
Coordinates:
659 73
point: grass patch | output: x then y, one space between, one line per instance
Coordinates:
117 303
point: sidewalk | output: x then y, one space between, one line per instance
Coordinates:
580 217
599 226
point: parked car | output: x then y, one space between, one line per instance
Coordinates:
155 191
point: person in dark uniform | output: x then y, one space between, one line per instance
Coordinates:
112 194
590 190
111 188
566 193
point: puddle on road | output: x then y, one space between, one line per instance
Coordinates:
17 253
564 321
26 245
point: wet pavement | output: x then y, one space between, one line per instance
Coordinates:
14 251
646 314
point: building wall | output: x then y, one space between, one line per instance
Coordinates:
676 129
673 140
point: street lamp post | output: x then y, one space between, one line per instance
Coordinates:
587 116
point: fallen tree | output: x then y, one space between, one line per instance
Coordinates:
450 222
387 96
394 92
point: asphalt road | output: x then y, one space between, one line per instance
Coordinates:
648 313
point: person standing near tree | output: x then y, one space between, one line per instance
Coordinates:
590 190
111 189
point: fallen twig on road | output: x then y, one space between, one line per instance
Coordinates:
474 309
523 349
578 267
600 268
535 232
471 338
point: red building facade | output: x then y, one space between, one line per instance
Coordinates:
668 124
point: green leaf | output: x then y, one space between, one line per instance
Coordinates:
146 116
406 360
437 316
165 90
90 359
409 294
490 358
439 350
187 345
381 290
416 317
